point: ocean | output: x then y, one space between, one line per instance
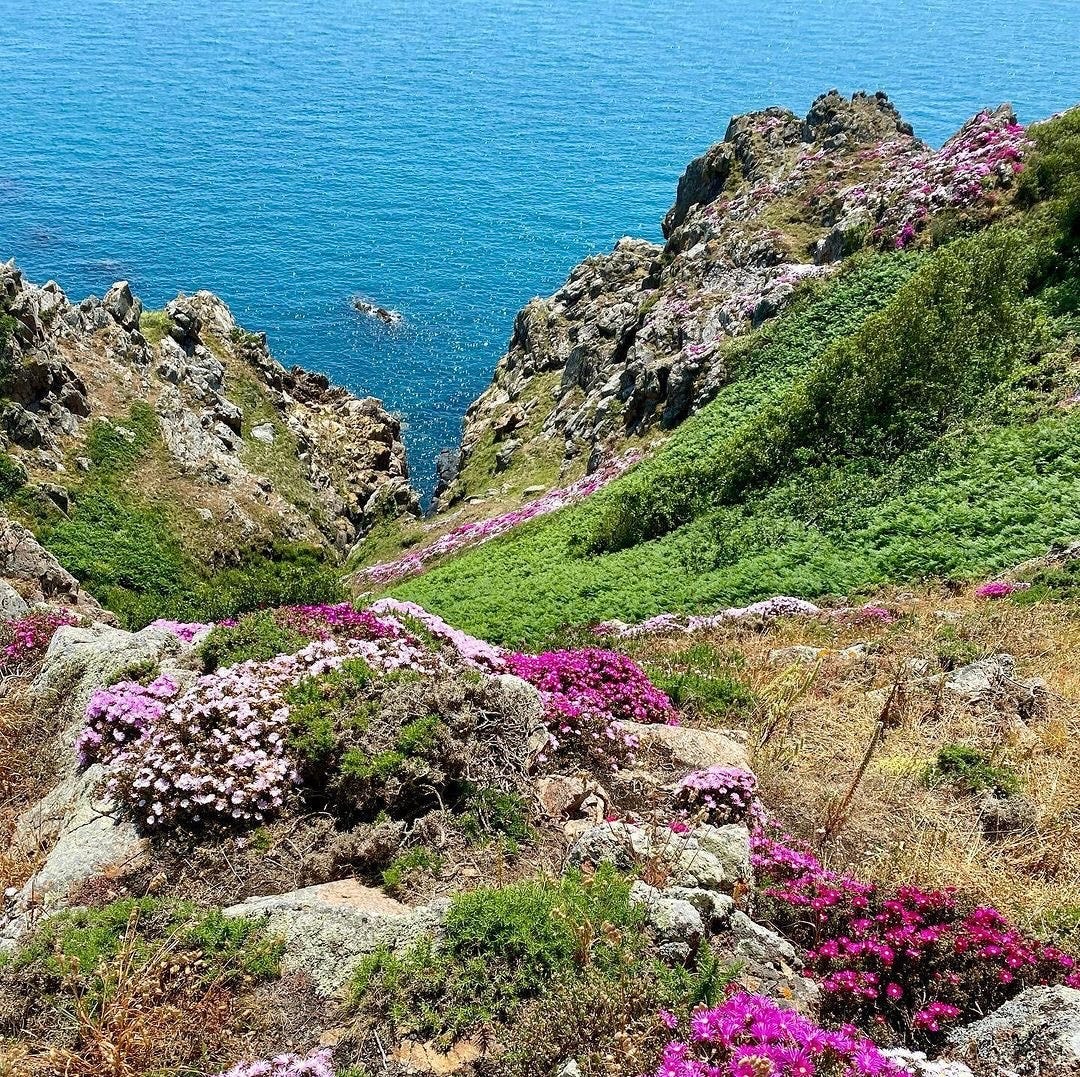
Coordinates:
447 159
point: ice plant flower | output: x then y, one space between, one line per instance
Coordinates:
24 641
316 1064
723 794
188 631
587 693
916 959
750 1036
998 589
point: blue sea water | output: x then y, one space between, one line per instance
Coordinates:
446 158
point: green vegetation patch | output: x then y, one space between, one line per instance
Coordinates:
92 939
900 421
504 947
968 770
154 325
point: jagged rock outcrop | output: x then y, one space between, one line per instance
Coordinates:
31 576
269 452
634 340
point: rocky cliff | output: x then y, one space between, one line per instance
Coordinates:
634 341
184 411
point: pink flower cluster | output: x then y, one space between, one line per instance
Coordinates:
587 693
472 534
316 1064
912 958
341 620
25 640
119 715
474 652
768 609
723 794
751 1036
985 153
999 589
217 751
188 631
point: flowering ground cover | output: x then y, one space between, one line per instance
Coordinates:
218 749
24 640
316 1064
748 1035
912 959
475 533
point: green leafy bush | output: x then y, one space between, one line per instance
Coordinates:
407 866
499 947
967 769
255 637
8 325
913 368
155 324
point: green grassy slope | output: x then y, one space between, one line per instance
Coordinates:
904 420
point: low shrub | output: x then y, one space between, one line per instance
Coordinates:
400 743
488 812
90 939
406 867
255 637
12 476
970 771
704 681
138 986
499 947
613 1023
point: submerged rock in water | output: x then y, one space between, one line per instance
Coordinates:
373 310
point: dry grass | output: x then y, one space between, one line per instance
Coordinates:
814 724
27 767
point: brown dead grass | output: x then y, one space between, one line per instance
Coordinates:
27 767
813 723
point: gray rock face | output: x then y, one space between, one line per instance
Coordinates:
768 964
676 922
918 1065
688 747
329 927
710 858
84 836
123 306
12 604
80 660
1036 1034
29 572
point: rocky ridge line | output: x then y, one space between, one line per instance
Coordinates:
633 341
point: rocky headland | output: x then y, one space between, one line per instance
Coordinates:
184 416
634 341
